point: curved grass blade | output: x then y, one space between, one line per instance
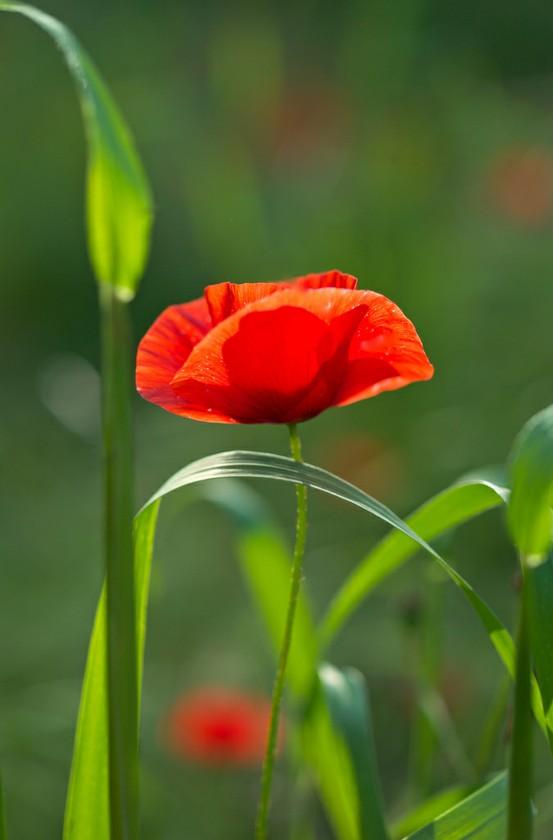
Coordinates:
119 204
529 514
452 507
347 702
87 806
482 816
245 464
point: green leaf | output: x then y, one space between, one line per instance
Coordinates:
459 503
482 816
529 514
119 205
244 464
327 754
539 592
348 704
429 810
87 806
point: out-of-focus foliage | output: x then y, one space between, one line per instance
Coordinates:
408 143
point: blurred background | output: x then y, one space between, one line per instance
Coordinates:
408 143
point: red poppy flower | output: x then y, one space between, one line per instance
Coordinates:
278 352
217 726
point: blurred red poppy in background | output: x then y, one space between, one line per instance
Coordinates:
218 726
278 352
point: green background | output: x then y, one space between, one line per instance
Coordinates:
408 143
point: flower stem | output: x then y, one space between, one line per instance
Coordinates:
278 689
520 765
118 548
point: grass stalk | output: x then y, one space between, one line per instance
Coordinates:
118 547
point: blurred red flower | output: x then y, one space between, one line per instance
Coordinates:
278 352
217 726
521 185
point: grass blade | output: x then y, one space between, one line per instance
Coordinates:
327 754
87 808
450 508
530 516
245 464
429 810
481 816
539 593
349 709
119 204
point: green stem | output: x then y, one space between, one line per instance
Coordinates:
118 547
520 821
296 573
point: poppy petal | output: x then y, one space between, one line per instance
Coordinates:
289 356
165 348
385 354
327 279
224 299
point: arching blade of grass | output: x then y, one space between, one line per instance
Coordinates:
452 507
347 702
277 467
482 816
87 807
119 204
